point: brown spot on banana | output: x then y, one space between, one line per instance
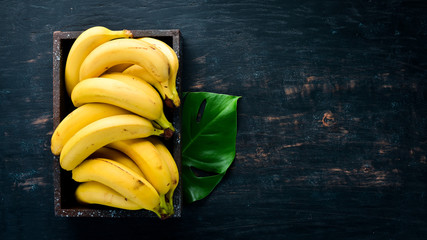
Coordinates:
138 184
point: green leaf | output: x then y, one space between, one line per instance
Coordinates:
209 128
196 188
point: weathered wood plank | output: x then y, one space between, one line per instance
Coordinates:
331 124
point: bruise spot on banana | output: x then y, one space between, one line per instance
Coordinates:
138 184
138 48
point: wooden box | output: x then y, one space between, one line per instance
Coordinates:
65 204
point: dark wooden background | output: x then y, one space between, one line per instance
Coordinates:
332 131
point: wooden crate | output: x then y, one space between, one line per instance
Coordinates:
65 204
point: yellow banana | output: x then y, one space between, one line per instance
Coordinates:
79 118
97 193
119 68
122 51
121 179
117 156
84 44
173 63
137 83
102 132
142 73
142 100
149 160
173 168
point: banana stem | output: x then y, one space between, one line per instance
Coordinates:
169 201
158 132
164 208
157 212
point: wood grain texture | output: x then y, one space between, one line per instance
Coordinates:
331 137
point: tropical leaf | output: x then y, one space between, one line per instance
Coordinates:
209 128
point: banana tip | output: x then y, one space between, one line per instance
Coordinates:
169 103
177 102
164 216
128 33
174 102
168 133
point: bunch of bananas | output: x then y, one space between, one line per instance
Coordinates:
112 140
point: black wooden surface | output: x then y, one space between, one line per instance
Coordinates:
331 137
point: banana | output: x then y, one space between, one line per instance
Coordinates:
149 160
119 68
137 83
144 86
117 156
85 43
97 193
122 51
102 132
174 65
121 179
142 100
142 73
79 118
173 169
